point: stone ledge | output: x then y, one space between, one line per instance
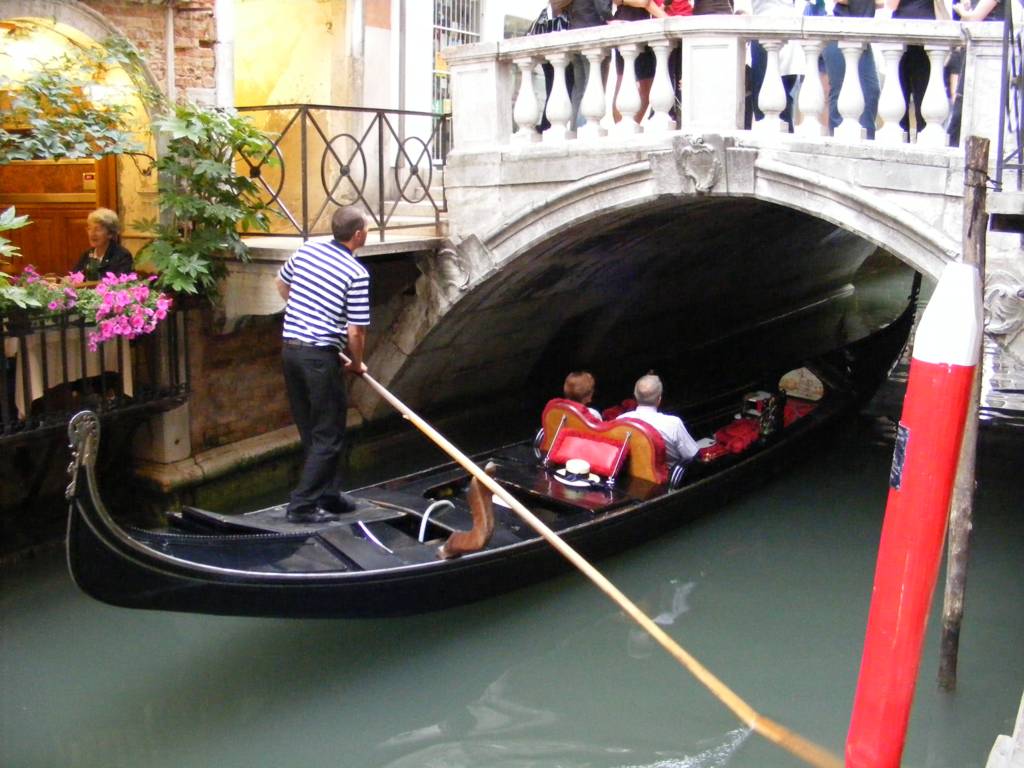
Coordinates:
218 462
226 459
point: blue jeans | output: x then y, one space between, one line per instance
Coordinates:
835 67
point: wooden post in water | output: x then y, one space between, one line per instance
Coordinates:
961 508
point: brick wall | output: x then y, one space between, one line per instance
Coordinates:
145 25
236 381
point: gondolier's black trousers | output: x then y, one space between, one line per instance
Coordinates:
316 393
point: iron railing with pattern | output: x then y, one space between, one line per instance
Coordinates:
323 157
49 372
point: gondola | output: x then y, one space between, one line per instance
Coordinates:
382 559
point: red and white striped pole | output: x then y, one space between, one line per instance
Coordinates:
946 351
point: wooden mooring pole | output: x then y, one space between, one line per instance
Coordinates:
961 509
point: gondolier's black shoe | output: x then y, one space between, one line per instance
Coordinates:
337 504
315 516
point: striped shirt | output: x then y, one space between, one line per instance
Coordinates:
327 290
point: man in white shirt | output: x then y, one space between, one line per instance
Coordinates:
679 446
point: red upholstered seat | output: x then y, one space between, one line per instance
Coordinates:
646 448
604 454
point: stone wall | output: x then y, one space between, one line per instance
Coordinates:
145 25
237 388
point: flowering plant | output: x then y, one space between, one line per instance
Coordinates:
119 305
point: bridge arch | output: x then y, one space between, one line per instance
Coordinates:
547 286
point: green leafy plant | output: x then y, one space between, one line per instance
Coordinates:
9 221
203 197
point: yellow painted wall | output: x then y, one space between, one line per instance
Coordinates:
287 52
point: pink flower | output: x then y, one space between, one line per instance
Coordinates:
54 305
124 306
76 278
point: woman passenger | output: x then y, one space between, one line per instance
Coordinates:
106 254
645 64
579 387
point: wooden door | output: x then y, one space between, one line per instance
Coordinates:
57 196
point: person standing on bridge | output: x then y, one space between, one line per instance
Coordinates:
985 10
835 68
915 68
583 14
327 308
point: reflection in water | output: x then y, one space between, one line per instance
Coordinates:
641 644
497 730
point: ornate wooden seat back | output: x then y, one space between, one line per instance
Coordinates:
646 457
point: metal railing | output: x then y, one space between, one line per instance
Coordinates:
49 373
1011 106
376 158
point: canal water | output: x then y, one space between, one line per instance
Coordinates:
770 592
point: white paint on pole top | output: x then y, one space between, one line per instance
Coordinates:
951 326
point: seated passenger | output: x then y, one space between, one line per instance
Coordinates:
105 254
679 446
579 387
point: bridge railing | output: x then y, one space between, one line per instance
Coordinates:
710 53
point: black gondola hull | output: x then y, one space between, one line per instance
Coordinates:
144 569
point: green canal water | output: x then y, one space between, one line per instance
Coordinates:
770 592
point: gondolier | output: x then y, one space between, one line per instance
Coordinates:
327 295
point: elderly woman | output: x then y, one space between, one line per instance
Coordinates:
106 253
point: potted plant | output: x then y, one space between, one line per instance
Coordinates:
203 199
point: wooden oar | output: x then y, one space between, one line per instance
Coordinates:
794 743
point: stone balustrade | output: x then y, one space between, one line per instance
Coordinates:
495 100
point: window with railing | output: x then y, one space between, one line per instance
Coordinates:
456 22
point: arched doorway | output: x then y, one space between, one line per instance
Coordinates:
57 195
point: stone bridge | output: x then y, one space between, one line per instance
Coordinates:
573 246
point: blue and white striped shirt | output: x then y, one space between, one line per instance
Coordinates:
327 290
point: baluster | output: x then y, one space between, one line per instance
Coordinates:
608 121
934 106
772 98
812 96
663 94
851 97
628 100
890 102
592 106
525 112
559 105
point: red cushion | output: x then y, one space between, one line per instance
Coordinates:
738 435
602 453
613 411
796 409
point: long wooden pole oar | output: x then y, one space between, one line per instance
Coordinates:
793 742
